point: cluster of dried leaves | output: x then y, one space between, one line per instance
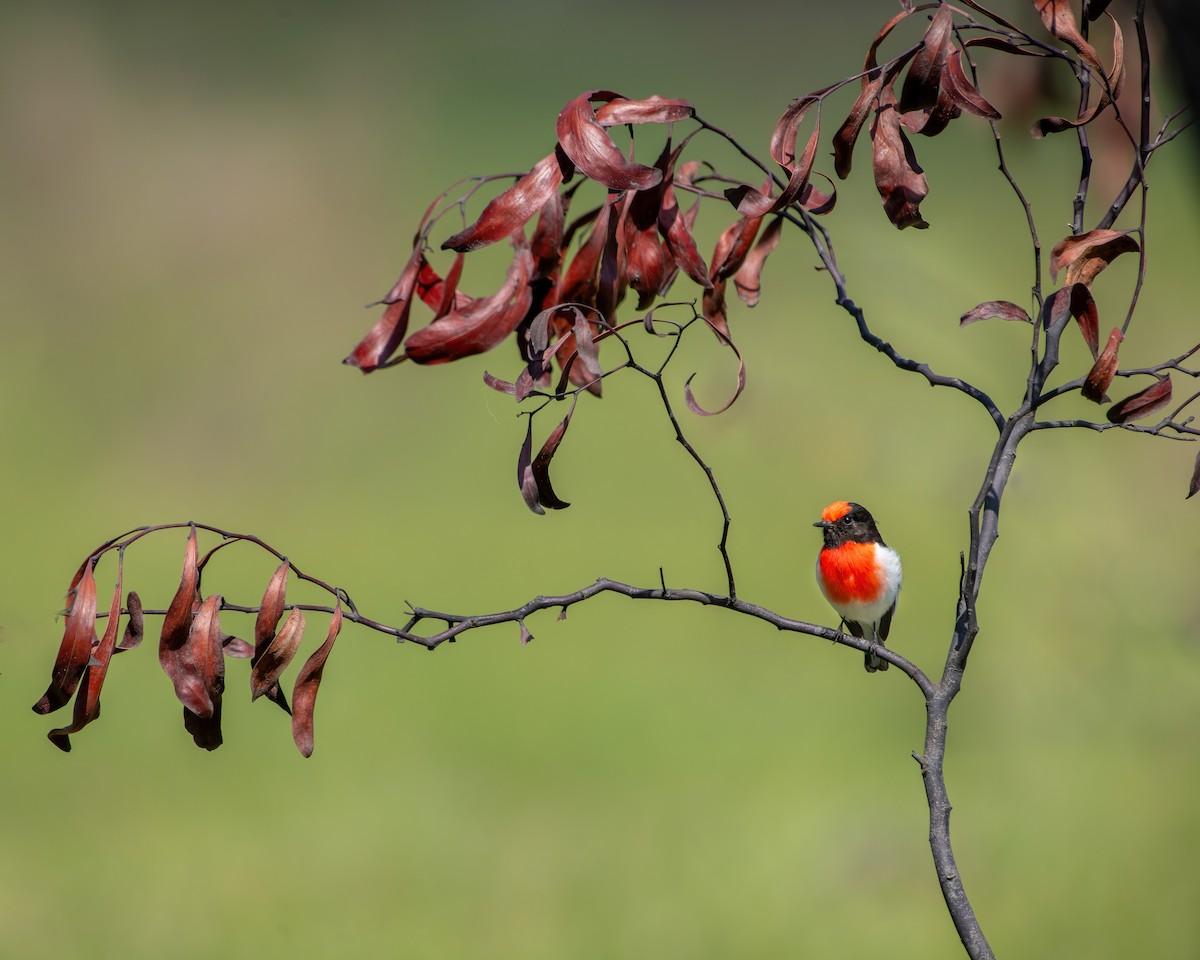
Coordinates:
192 649
560 300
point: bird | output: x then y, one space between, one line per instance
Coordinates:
859 574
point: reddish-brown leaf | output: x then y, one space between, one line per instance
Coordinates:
1143 403
503 386
265 671
271 608
733 245
76 646
442 295
541 466
174 653
676 230
690 397
1060 21
481 324
308 681
236 648
87 702
512 209
753 203
1103 370
958 85
748 279
1083 309
204 644
525 479
1194 486
135 626
653 109
547 242
898 176
923 80
580 282
1084 256
1001 309
589 147
382 339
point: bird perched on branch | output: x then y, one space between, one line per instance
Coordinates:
859 574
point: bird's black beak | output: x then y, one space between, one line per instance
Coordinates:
825 524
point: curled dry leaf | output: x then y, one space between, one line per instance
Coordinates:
308 681
76 645
547 242
87 702
482 323
204 644
690 398
271 609
1143 403
1060 21
135 626
526 636
1194 486
653 109
748 279
1103 370
512 209
236 648
898 176
265 671
964 93
525 479
1084 256
1000 309
540 467
590 148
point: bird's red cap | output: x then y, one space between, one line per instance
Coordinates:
835 511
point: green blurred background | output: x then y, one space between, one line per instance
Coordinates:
194 205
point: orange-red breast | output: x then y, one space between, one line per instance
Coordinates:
859 574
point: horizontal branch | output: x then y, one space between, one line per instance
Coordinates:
458 624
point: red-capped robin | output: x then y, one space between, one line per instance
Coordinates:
859 574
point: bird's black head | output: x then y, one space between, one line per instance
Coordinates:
846 522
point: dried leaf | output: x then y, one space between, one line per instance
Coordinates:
265 671
135 626
589 147
676 230
442 295
690 397
308 681
898 176
733 245
654 109
1001 309
76 646
503 386
1060 21
481 324
748 278
541 466
204 644
87 702
526 636
271 609
923 80
1084 256
382 339
174 652
580 283
1194 486
525 479
1103 370
236 648
959 86
1143 403
873 82
512 209
1083 309
547 242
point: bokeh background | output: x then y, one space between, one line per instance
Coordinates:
195 203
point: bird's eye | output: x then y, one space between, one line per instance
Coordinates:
846 520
